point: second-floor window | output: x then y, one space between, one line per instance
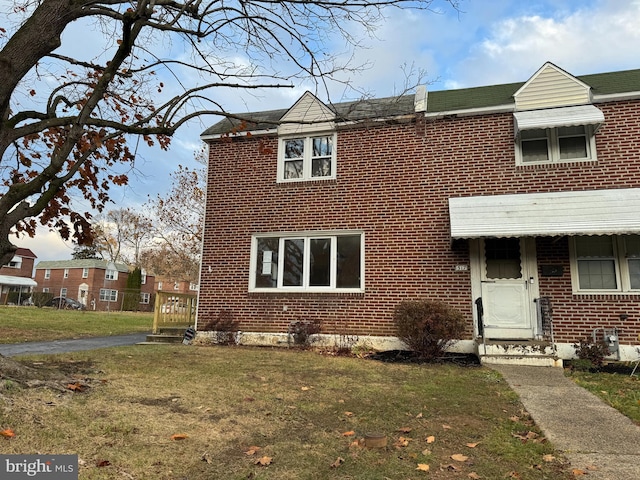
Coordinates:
85 272
66 273
47 273
307 158
556 145
111 275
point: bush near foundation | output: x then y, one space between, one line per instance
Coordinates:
428 327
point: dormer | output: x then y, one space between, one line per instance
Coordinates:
554 121
307 142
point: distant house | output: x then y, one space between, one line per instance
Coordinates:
98 284
165 284
518 204
15 278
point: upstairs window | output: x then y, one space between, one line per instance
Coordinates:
111 274
85 272
556 145
66 273
47 273
16 262
307 158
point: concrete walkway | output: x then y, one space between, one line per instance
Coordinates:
595 437
63 346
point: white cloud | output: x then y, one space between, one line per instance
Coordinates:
46 245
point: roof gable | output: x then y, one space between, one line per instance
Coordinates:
307 114
551 87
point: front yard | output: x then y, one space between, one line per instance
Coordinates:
170 412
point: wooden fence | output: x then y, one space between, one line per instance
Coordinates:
174 310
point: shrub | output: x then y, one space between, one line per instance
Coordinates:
224 326
590 355
428 327
302 331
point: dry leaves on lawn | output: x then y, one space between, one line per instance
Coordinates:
8 433
339 461
431 439
179 436
423 467
264 461
252 450
458 457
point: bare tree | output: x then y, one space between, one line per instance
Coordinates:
120 234
67 121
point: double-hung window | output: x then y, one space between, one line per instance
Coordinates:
307 158
145 297
85 272
322 262
608 264
108 295
556 145
111 274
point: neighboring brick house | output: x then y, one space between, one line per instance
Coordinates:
98 284
165 284
518 204
15 277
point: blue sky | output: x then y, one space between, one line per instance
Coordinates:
487 42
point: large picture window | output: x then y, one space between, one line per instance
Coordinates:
108 295
307 158
606 263
314 263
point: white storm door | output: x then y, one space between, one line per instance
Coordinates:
507 288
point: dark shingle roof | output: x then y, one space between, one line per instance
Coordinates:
438 101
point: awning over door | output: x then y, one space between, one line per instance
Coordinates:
17 281
558 117
595 212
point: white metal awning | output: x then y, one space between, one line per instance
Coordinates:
596 212
17 281
558 117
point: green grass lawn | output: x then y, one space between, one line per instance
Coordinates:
264 413
32 324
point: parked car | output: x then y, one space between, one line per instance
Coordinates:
65 303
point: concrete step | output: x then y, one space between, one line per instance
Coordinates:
163 338
532 353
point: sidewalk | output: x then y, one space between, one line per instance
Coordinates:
62 346
595 437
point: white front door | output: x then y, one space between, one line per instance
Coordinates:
508 287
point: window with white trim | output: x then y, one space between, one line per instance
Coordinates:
16 262
111 274
108 295
85 272
556 145
145 298
307 158
45 290
63 292
47 273
66 273
605 264
322 262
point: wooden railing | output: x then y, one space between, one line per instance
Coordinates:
174 310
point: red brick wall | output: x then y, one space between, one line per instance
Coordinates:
393 182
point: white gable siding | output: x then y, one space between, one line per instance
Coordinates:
307 109
551 87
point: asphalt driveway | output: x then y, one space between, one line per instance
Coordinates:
76 345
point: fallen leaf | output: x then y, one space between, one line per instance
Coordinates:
402 442
206 457
548 458
423 467
431 439
264 461
304 389
8 433
103 463
252 450
446 427
179 436
458 457
473 445
474 476
419 415
348 414
514 419
339 461
404 429
350 433
76 387
578 473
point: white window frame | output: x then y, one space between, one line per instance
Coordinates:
620 260
47 273
16 262
194 287
45 290
65 273
85 272
553 146
145 298
113 295
307 157
111 274
63 292
307 237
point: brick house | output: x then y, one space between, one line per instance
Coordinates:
517 204
98 284
15 277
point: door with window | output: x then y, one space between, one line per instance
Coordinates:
508 287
